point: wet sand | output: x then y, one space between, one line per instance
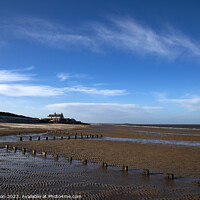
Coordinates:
127 131
33 175
181 160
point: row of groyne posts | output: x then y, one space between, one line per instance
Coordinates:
84 161
145 172
75 136
44 153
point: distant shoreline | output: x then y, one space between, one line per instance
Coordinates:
169 126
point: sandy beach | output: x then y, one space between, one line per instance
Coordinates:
181 160
19 128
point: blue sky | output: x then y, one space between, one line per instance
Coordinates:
101 61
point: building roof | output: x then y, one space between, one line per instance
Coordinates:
55 115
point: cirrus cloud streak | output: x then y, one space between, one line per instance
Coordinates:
20 90
132 36
191 102
13 76
119 32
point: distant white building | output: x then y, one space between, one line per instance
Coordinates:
56 117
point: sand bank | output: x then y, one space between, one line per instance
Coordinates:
17 128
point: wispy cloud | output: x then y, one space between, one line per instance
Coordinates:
19 90
136 37
191 102
14 76
50 34
45 91
102 112
27 68
124 34
95 91
121 33
99 84
18 75
63 76
116 106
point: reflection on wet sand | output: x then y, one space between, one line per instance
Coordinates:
146 141
160 133
44 136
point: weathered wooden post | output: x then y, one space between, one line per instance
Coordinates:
55 156
125 168
24 151
84 161
69 159
33 152
38 138
145 172
30 138
14 149
44 154
170 176
104 164
20 139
